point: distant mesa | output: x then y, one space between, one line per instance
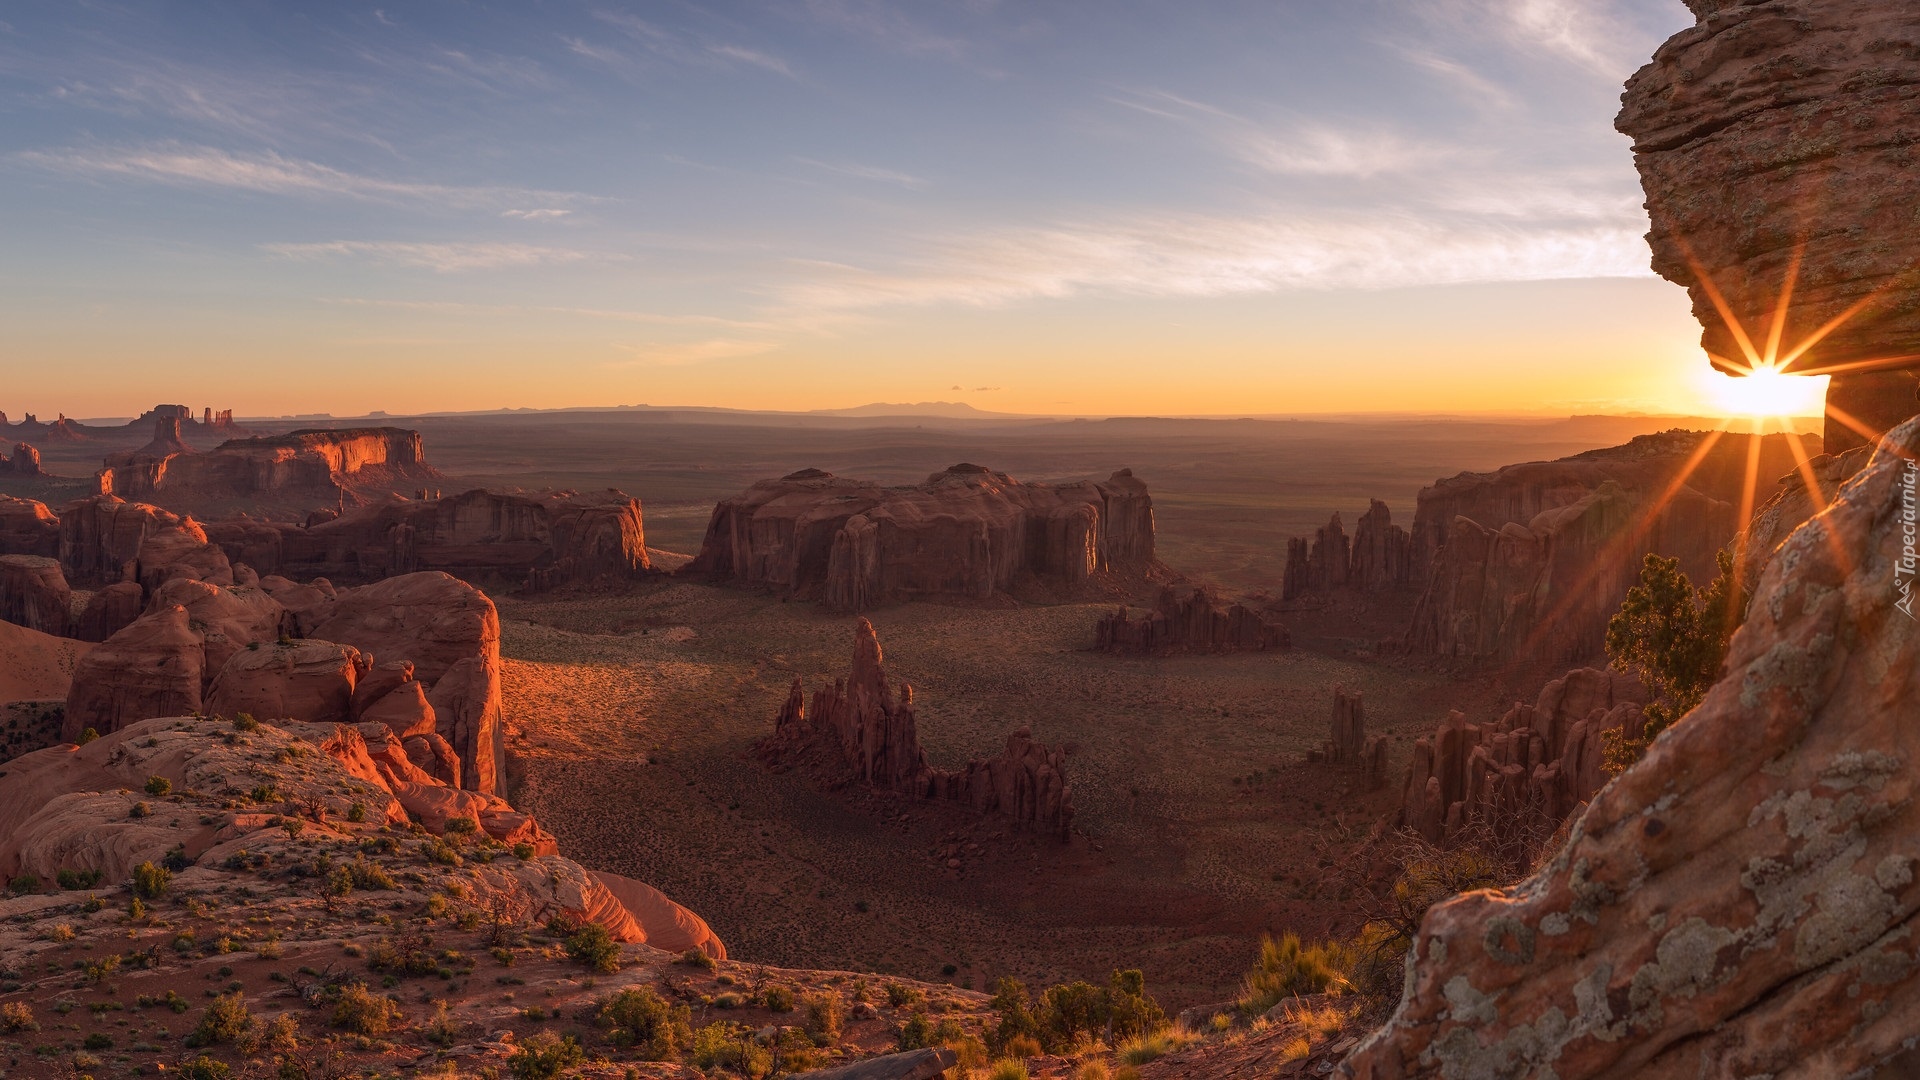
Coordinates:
966 533
323 464
868 734
1188 620
1774 143
25 461
211 423
1526 564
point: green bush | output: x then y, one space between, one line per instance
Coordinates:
78 879
1071 1011
150 882
364 1012
696 958
640 1018
225 1021
823 1016
900 995
159 785
1287 968
25 883
544 1056
16 1017
204 1068
1672 638
594 947
779 999
721 1045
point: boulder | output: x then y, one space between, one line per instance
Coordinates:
667 925
1774 143
34 593
966 533
305 680
154 667
1742 901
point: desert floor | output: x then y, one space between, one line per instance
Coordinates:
634 719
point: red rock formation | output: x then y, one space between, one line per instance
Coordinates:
103 539
322 464
303 680
1793 504
1741 902
154 667
28 528
541 539
450 633
34 594
1350 745
966 533
1375 559
1774 145
869 729
1520 776
1188 620
25 461
109 611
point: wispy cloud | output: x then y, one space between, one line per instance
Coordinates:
545 213
752 57
888 25
1191 255
267 172
456 307
1291 145
866 172
450 257
581 47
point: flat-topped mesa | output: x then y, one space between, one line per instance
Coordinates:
1374 559
317 463
966 533
1774 146
538 539
1189 620
1526 564
870 731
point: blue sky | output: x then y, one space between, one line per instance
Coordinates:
1090 207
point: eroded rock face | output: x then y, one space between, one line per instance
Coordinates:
1526 564
28 527
154 667
105 539
1189 620
1781 133
34 593
24 462
966 533
872 731
539 539
303 680
319 463
1374 559
1742 902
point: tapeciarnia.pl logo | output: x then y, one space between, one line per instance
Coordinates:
1905 566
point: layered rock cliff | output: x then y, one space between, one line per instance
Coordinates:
1377 557
1741 902
966 533
321 464
1775 145
871 732
24 462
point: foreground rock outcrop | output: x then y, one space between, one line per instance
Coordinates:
535 539
324 465
1742 902
867 731
1189 620
966 533
1526 565
1774 143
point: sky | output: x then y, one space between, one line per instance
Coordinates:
1056 206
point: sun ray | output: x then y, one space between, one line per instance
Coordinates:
1882 363
1779 326
1853 423
1833 324
1720 303
1748 490
1804 465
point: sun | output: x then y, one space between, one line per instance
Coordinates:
1767 392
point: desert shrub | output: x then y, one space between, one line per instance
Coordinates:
1131 1011
1092 1070
1672 638
823 1016
404 954
61 932
99 971
364 1012
16 1017
779 999
721 1045
226 1020
245 722
1146 1047
441 1029
438 850
204 1068
916 1033
1072 1012
1427 874
357 812
150 882
1287 968
78 879
696 958
462 826
638 1017
594 947
159 785
97 1040
1008 1069
25 883
900 995
544 1056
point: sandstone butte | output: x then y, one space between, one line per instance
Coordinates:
966 533
1775 143
1189 620
1741 902
869 733
315 463
1527 563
